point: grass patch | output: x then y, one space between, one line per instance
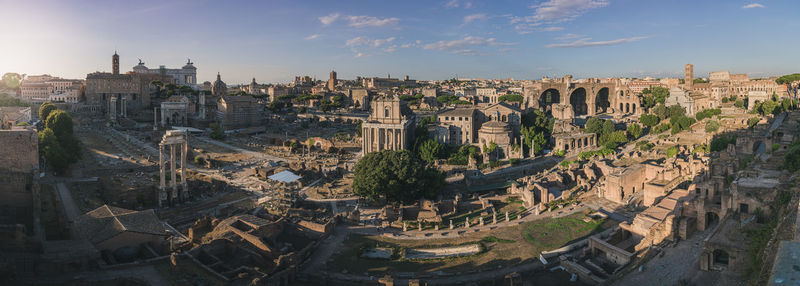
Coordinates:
555 233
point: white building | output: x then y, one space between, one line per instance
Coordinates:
41 88
186 75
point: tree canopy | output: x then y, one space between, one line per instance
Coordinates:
653 96
511 97
396 176
45 109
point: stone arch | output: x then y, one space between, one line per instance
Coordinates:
577 99
627 107
602 101
711 219
721 257
548 98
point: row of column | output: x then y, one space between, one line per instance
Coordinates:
112 107
379 139
174 196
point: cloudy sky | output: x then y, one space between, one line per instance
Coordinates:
427 39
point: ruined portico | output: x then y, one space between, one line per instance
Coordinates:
173 139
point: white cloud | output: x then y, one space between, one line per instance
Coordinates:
364 41
551 29
361 55
369 21
555 11
452 4
587 42
474 17
327 20
312 37
752 5
390 49
568 37
463 46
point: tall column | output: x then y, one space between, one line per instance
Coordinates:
162 186
184 151
155 118
172 173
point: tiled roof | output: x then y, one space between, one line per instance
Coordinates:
106 222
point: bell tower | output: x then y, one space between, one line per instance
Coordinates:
115 63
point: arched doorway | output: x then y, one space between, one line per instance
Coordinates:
548 98
578 101
711 219
721 257
759 147
601 101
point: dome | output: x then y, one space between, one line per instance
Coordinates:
495 127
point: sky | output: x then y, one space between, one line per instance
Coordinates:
275 40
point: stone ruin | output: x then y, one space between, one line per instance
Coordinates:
173 139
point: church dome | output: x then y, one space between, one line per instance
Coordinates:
495 127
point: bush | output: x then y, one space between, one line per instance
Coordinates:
708 113
216 131
739 104
753 121
649 120
558 153
672 151
586 155
712 126
513 161
721 143
775 147
644 145
634 130
661 128
199 160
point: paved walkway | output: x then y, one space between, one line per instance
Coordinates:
70 208
673 266
258 155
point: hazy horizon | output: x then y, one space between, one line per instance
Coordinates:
277 40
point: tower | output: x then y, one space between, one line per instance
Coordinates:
332 81
115 63
688 76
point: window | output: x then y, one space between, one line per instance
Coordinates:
386 112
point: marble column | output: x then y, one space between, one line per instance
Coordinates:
173 174
184 152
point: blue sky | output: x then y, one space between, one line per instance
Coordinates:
275 40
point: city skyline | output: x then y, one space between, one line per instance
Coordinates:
277 40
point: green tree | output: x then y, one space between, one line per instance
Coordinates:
11 80
396 176
649 120
55 156
661 111
753 121
431 150
613 139
45 109
739 104
594 125
60 122
672 151
609 127
712 126
511 97
653 96
634 130
677 111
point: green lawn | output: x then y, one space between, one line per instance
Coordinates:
503 247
